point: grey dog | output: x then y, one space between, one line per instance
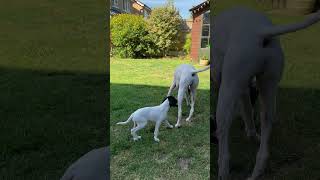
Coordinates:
246 46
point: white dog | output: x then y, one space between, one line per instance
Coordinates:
156 114
187 80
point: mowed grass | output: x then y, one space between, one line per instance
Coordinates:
294 145
182 153
52 85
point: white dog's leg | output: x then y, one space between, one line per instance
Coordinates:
140 125
193 98
156 131
268 93
168 124
181 93
172 87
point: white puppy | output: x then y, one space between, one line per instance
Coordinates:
156 114
187 80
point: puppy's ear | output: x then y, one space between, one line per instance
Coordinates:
172 101
164 99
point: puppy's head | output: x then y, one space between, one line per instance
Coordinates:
172 101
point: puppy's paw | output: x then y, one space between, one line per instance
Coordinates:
156 139
139 137
135 139
170 126
177 125
188 119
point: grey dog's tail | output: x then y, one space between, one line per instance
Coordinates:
127 121
200 70
282 29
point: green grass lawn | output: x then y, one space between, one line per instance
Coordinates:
295 143
182 153
52 85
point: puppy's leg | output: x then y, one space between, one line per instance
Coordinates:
267 105
168 124
140 125
247 115
172 87
156 131
193 98
181 93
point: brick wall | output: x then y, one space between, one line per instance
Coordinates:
195 37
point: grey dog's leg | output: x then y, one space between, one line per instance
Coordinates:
181 93
247 115
267 105
187 97
228 95
172 87
193 99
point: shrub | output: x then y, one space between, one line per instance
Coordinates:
187 45
164 28
130 37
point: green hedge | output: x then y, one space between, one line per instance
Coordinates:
130 37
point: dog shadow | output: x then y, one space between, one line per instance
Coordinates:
51 115
292 146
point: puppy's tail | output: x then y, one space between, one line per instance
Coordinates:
127 121
200 70
282 29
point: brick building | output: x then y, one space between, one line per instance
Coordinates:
200 32
129 6
140 8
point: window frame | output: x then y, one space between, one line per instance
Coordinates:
202 27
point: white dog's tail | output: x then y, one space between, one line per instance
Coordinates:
200 70
127 121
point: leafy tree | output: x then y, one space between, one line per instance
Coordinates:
165 27
130 37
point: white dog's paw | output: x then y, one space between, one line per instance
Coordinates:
170 126
188 119
156 139
135 139
139 137
177 125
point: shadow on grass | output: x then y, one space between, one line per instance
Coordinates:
295 139
48 119
147 159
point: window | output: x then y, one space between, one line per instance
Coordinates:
205 34
114 2
126 6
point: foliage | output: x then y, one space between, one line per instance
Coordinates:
187 45
165 28
130 37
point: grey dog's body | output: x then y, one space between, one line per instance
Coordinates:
186 80
246 46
